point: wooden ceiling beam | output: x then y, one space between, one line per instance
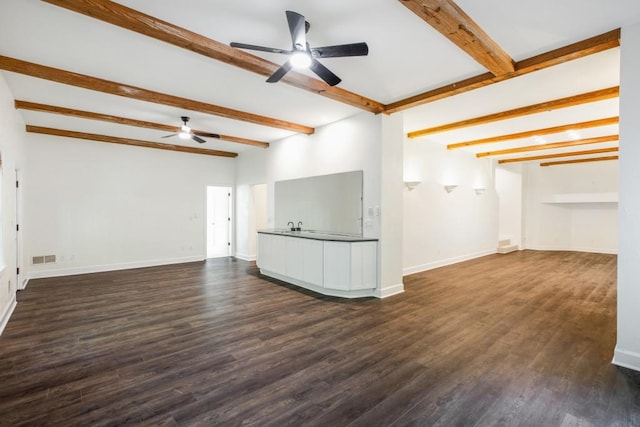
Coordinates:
554 156
120 89
453 23
133 20
592 159
551 146
584 98
127 141
33 106
570 52
537 132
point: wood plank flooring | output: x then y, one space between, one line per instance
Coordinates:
518 339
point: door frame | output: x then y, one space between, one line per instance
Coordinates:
18 236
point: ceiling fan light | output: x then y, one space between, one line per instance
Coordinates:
300 59
185 132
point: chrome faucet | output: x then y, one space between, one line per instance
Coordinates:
293 227
299 226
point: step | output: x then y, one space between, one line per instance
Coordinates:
507 249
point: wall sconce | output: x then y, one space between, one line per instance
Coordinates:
411 184
449 188
479 191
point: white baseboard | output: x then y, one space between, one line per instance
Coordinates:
111 267
245 257
626 359
390 290
611 251
360 293
7 313
441 263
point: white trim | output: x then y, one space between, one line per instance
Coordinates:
7 314
245 257
626 359
25 282
441 263
390 290
111 267
611 251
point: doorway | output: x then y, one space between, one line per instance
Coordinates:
218 222
18 220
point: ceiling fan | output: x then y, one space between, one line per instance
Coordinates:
187 133
303 56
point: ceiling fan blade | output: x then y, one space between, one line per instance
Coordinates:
169 136
280 72
324 73
297 29
206 134
260 48
197 139
353 49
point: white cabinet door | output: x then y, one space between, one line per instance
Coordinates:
312 262
271 251
294 255
337 262
364 265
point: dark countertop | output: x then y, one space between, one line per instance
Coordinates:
319 235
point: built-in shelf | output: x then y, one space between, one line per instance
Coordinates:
566 198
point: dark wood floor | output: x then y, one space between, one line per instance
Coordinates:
519 339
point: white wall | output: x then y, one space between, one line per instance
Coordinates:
253 217
442 228
627 352
392 216
509 188
590 226
12 139
347 145
100 206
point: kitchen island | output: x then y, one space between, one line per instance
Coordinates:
333 264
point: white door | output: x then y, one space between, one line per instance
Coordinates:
218 222
19 284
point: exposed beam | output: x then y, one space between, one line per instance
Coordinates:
120 89
453 23
536 132
592 159
126 141
584 98
577 50
150 26
33 106
550 146
554 156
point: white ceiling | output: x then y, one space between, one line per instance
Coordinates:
406 57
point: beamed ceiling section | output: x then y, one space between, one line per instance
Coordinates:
452 24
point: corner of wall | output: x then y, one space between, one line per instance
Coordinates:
391 290
7 312
626 359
